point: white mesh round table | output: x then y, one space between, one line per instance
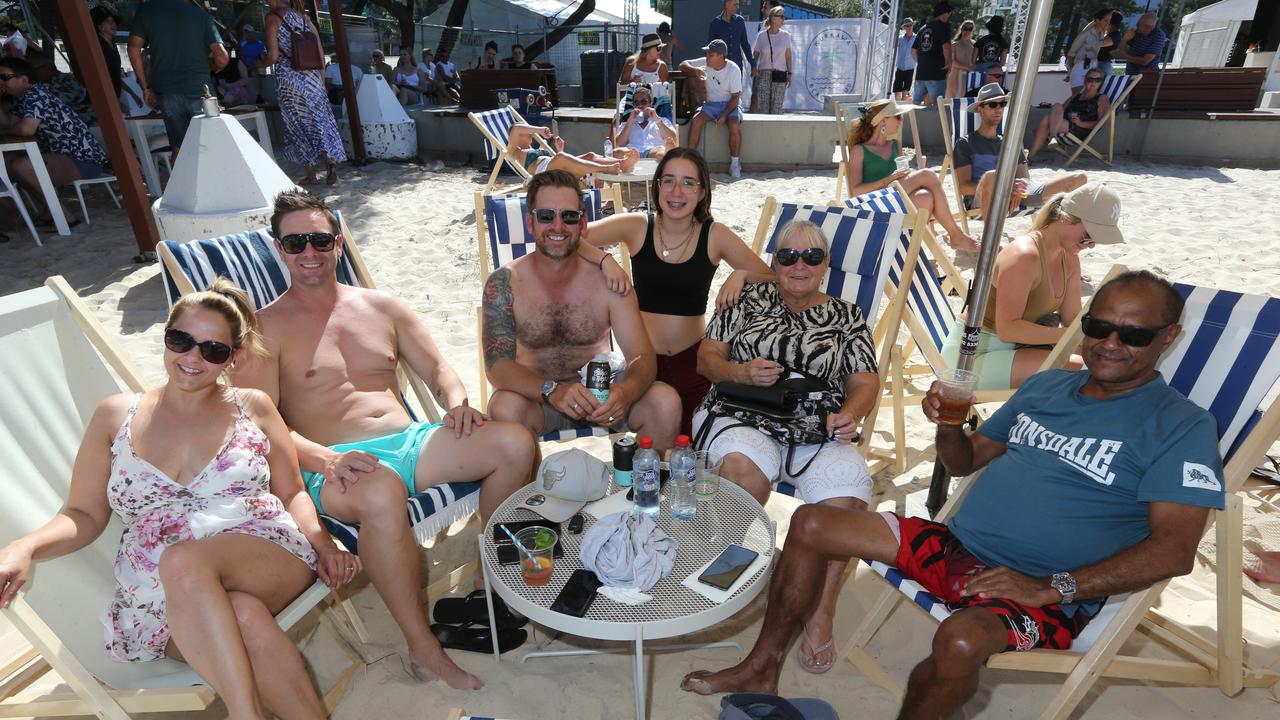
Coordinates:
642 172
674 610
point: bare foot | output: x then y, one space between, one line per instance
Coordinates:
1265 568
960 241
739 678
443 668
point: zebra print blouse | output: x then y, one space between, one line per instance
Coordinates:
829 341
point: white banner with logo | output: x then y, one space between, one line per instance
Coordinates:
828 58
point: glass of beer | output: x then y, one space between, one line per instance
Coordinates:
954 392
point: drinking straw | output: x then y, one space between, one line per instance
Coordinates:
523 549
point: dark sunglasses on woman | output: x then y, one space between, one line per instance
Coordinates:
181 342
787 257
297 242
546 216
1131 335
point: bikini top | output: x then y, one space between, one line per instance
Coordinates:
665 288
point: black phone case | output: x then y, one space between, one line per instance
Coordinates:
501 538
580 579
509 555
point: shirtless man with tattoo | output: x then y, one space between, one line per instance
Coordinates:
332 372
547 314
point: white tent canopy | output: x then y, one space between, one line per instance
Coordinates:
1207 34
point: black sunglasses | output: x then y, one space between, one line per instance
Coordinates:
1093 79
787 257
211 350
997 104
546 216
1131 335
297 242
6 78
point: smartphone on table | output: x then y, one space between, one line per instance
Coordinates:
576 597
725 570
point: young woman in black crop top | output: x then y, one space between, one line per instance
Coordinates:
675 252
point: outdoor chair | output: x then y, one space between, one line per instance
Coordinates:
57 364
973 79
501 236
845 113
863 242
104 181
10 190
1117 89
250 260
495 126
958 122
1227 360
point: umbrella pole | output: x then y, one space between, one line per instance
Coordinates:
1015 125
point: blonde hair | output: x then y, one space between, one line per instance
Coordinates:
862 127
228 300
811 232
1052 212
966 25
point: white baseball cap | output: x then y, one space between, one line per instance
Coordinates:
1098 207
585 479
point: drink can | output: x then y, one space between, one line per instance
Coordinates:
624 452
598 376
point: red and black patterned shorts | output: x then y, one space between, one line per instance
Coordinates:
933 557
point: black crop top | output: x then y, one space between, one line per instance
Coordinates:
673 288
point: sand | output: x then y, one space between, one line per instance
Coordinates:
415 228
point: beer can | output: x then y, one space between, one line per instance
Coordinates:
624 451
598 375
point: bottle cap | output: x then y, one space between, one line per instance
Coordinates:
682 441
646 441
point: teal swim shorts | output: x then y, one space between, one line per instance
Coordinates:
993 361
399 452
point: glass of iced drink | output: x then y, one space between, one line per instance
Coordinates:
955 389
535 566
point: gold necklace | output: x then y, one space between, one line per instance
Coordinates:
662 238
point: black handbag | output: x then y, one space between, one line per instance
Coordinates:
792 411
778 76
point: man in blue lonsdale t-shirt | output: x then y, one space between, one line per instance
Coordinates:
1095 483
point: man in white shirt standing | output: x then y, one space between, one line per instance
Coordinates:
723 80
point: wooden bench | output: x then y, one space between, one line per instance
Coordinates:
1197 91
478 85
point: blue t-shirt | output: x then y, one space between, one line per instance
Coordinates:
904 60
1074 485
251 51
981 152
734 34
1139 45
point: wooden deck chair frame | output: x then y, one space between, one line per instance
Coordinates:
877 458
87 694
1074 146
840 156
500 146
1211 664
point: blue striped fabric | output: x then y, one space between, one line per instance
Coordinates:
973 80
661 101
431 511
1114 86
962 121
862 245
504 213
499 122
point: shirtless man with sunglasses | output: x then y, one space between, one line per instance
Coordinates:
549 313
334 350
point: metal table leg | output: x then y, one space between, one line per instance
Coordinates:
638 663
488 599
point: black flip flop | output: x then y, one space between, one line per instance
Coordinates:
1268 469
477 639
472 610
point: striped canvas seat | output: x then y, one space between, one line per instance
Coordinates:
503 237
251 260
973 80
495 127
1117 89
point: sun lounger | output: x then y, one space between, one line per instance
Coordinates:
1117 89
495 126
845 114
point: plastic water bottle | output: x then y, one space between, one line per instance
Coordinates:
608 147
645 477
680 486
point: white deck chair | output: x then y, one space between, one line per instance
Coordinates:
250 260
495 126
56 364
1227 360
844 113
863 242
1117 89
501 236
9 190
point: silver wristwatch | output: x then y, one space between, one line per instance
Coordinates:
1064 583
548 387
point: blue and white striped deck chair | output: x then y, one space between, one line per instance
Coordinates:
863 242
502 237
973 79
1117 89
495 126
958 122
250 260
1227 360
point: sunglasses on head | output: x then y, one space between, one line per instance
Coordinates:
787 257
211 350
1131 335
996 104
546 216
297 242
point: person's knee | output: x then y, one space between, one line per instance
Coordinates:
512 443
963 642
662 405
380 496
743 471
1074 180
507 406
180 565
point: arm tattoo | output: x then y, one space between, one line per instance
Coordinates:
499 319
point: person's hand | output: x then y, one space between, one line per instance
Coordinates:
615 278
1018 194
788 78
755 72
336 567
544 132
149 97
899 174
463 419
724 117
1009 584
615 407
15 571
573 400
558 142
843 426
932 404
761 372
1128 34
650 114
731 290
347 467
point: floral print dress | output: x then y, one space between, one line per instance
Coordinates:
231 494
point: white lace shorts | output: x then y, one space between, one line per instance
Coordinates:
838 470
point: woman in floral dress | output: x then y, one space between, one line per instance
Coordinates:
310 131
219 533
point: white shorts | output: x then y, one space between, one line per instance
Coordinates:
839 470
